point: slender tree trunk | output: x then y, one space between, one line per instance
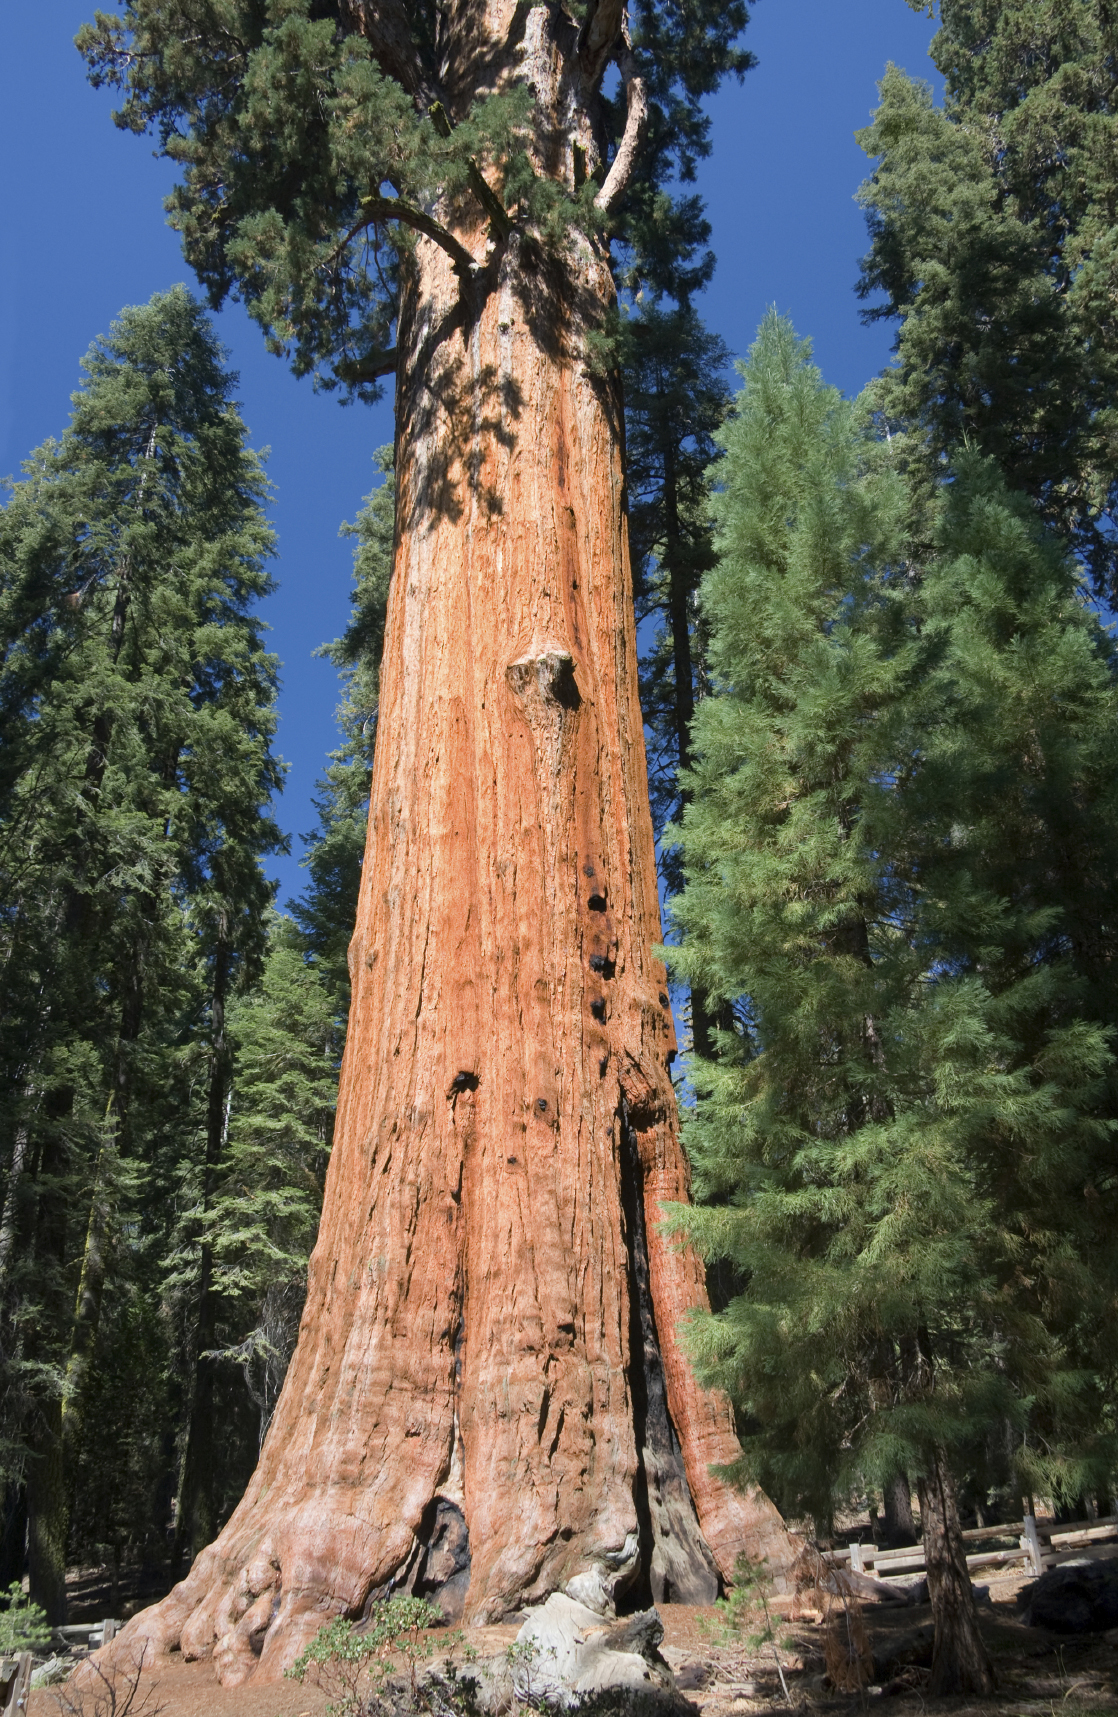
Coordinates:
47 1513
91 1284
478 1346
900 1528
48 1517
10 1214
960 1661
703 1018
194 1516
91 1287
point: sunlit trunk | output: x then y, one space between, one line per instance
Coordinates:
489 1398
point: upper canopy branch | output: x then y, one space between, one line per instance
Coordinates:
636 124
603 28
395 209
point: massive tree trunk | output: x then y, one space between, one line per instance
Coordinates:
489 1398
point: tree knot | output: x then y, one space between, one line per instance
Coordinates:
550 674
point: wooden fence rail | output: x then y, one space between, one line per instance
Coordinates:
1040 1545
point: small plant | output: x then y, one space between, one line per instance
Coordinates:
523 1658
353 1662
745 1613
23 1625
93 1691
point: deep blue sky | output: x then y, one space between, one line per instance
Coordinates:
83 234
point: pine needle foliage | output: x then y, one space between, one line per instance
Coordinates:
310 162
327 909
137 708
907 1148
263 1219
992 225
676 396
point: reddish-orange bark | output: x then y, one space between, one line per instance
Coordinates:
493 1315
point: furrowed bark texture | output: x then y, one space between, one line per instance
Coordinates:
960 1662
489 1398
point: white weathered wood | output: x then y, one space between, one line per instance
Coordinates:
857 1561
16 1682
1030 1541
1072 1536
996 1558
897 1561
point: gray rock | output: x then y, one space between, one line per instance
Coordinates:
568 1650
51 1673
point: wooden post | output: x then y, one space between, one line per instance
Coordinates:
15 1684
857 1565
1031 1543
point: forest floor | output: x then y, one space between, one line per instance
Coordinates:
1039 1674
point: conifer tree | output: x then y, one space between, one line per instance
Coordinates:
910 1128
137 702
328 907
264 1218
451 181
676 396
992 228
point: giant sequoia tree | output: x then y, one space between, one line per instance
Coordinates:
489 1355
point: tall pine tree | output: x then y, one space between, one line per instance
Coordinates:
900 859
992 222
137 702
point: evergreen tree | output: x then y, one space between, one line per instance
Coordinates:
909 1131
992 227
264 1218
451 180
327 910
137 705
676 396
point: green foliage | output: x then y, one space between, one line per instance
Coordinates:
309 163
676 397
745 1615
262 1220
327 910
290 137
900 857
353 1663
137 711
992 227
23 1626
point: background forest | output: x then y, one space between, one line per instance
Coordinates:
881 700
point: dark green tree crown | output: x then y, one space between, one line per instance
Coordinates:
993 224
312 154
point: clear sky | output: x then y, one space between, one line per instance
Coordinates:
83 235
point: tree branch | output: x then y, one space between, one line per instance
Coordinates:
395 209
636 121
604 26
483 191
369 369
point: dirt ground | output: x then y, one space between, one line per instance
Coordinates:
1040 1674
